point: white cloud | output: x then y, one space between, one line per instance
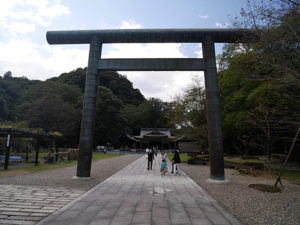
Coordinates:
171 50
46 13
130 25
163 85
30 12
199 52
204 17
25 58
6 7
22 28
224 25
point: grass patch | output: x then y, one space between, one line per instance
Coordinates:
253 167
265 188
46 166
183 157
99 155
240 160
249 157
60 164
279 157
293 175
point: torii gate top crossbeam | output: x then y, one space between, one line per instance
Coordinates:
148 36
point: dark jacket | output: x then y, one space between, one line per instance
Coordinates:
176 157
150 156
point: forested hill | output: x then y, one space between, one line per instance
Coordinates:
117 83
55 105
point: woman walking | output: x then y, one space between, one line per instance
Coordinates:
176 160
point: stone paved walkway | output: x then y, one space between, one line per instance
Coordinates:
30 204
136 195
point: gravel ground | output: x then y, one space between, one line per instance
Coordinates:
62 178
250 206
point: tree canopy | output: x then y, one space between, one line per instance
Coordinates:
55 105
259 82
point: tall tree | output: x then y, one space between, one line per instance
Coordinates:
259 82
53 114
152 113
110 124
3 109
189 113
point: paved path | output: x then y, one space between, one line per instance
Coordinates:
29 204
136 195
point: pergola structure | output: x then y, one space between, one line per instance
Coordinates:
19 133
96 38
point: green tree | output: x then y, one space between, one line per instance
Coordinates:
121 87
52 114
11 89
110 124
3 108
75 77
277 24
243 100
7 75
189 113
68 93
152 113
117 83
259 82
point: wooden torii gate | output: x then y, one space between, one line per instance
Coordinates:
95 38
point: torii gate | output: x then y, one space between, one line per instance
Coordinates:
207 64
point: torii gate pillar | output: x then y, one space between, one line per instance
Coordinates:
89 111
213 116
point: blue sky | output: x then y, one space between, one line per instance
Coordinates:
25 52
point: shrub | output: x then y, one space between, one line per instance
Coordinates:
248 171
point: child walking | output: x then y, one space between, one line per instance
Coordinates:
164 168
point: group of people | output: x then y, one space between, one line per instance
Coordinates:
164 168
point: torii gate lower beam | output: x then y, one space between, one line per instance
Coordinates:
97 37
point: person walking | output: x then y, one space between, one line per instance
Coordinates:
164 155
163 168
154 150
150 159
176 160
